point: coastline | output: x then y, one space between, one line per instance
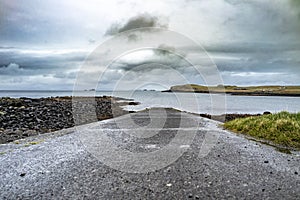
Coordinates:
238 93
25 117
288 91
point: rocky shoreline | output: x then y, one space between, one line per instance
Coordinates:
24 117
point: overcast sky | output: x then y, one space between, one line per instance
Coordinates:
44 43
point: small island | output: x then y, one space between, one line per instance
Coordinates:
273 90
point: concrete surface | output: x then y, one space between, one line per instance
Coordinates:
61 165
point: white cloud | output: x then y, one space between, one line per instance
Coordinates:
11 69
248 39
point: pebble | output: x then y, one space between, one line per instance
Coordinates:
49 114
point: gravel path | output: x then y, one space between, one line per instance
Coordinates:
65 164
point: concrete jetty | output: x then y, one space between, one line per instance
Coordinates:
154 154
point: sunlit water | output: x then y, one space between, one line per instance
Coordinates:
196 103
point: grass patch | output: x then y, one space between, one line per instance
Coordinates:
32 143
283 150
17 142
281 128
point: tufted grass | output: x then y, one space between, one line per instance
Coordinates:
281 128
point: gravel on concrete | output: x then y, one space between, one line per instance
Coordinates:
59 165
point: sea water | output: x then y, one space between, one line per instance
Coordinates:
190 102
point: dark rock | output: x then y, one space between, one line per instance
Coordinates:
25 117
27 101
267 113
133 103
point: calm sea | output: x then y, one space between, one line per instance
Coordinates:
196 103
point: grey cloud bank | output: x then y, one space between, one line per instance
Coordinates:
44 43
139 21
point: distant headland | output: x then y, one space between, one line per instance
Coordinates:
237 90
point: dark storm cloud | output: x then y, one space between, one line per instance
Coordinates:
251 41
13 69
36 23
140 21
36 60
38 68
256 65
257 69
155 62
20 22
251 47
163 55
164 50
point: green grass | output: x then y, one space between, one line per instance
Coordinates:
273 89
281 128
33 143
